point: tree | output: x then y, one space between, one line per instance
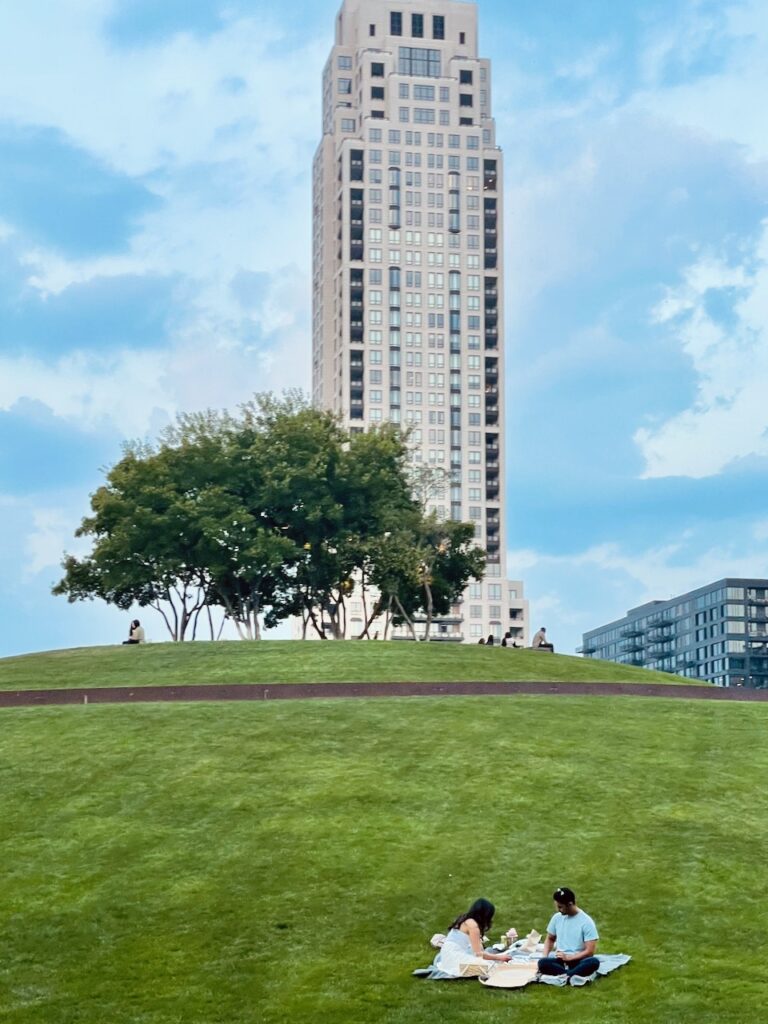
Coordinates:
269 513
145 541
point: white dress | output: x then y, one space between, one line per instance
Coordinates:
455 952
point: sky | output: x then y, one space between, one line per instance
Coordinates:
155 233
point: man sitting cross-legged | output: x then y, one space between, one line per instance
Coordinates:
573 936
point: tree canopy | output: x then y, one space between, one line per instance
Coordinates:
273 512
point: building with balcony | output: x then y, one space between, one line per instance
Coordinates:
718 634
408 270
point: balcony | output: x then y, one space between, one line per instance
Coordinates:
632 646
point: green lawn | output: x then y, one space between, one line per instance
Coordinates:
287 862
286 661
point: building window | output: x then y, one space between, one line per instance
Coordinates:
345 85
347 124
403 115
395 23
424 92
462 38
465 77
371 30
423 115
465 99
415 60
417 26
404 91
344 63
377 69
377 92
438 26
378 115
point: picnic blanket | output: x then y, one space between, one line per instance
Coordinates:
516 973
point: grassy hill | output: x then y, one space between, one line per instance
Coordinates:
296 662
288 862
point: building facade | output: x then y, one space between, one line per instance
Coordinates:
718 633
408 298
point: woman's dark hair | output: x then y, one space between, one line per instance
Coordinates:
481 912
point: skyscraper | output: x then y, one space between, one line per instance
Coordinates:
408 297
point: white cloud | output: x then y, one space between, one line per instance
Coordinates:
729 417
656 573
232 168
51 535
136 393
721 105
211 362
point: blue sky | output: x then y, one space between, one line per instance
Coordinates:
155 257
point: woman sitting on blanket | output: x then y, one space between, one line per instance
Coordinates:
465 939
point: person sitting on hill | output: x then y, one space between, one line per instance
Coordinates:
540 642
573 936
490 641
135 634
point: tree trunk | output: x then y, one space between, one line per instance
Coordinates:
388 619
405 616
430 611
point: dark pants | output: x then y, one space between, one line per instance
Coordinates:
551 965
130 642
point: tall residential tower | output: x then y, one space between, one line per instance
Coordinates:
408 298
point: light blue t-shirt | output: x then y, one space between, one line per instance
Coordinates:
572 933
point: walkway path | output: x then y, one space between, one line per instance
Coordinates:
304 691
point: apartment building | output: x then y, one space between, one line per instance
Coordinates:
408 296
718 633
